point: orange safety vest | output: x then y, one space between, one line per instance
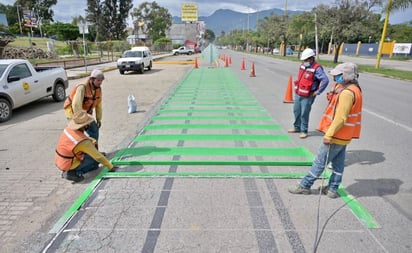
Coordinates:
90 99
352 127
68 141
306 76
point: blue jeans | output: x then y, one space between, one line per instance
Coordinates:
88 164
301 109
93 130
336 156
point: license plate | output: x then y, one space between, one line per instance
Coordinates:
127 66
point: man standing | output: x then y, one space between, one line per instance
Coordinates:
340 123
76 153
311 81
87 96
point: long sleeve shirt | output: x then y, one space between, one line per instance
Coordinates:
346 100
321 81
77 102
89 148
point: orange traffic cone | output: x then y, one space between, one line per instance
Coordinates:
242 67
230 60
289 92
227 62
196 64
252 71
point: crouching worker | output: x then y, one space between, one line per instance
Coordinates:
76 153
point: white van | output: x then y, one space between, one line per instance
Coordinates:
136 59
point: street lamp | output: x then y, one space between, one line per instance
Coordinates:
18 16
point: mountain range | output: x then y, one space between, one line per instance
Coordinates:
224 20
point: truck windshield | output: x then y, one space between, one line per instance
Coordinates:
2 69
132 54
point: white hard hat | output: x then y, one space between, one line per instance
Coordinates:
307 53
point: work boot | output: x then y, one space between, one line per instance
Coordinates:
325 191
72 176
298 189
293 130
303 135
331 194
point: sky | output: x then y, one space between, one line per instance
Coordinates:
65 10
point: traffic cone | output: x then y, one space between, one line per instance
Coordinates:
242 67
230 60
196 64
227 62
289 92
252 71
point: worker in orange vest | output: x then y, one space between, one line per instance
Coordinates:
87 96
340 123
76 153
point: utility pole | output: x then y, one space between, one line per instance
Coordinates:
378 59
18 16
316 37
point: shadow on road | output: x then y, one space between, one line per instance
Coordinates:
363 157
374 187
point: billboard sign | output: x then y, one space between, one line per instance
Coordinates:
30 19
189 12
402 48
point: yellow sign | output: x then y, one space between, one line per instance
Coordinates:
189 12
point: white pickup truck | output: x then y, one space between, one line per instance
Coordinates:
183 50
21 83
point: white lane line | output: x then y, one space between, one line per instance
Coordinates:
389 120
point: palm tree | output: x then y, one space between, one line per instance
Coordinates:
390 7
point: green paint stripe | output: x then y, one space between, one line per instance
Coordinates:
213 126
190 100
215 151
250 106
204 174
156 118
213 111
214 104
360 212
78 203
357 209
215 162
212 137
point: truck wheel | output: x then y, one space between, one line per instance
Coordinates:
141 69
190 52
121 72
150 66
59 93
5 110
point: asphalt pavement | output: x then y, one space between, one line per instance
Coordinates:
226 207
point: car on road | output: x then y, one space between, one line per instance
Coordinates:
136 59
22 83
183 50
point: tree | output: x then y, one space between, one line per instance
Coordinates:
63 31
348 21
209 35
42 8
115 13
154 19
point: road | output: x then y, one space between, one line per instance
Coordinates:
209 216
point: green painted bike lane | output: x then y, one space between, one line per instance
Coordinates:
215 102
